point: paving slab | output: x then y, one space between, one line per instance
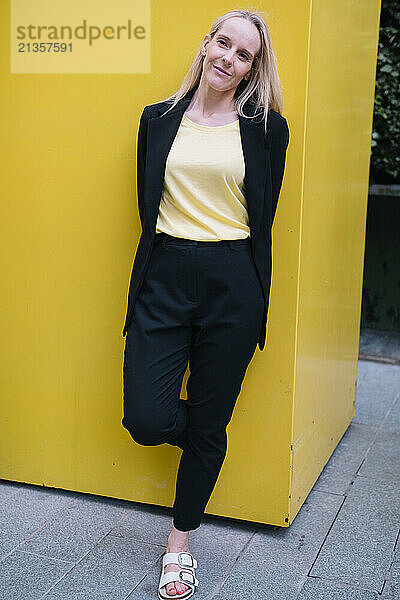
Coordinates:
347 457
8 489
392 421
146 523
384 372
359 546
77 528
25 576
383 458
321 589
277 560
391 591
363 367
374 398
25 512
110 571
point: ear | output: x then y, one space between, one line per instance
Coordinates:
206 40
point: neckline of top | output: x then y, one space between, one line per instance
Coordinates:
209 127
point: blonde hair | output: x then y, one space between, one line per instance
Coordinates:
263 88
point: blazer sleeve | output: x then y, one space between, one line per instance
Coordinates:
141 162
280 141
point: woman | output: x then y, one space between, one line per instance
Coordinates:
209 174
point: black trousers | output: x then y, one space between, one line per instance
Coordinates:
202 303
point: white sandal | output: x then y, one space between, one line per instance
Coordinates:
186 574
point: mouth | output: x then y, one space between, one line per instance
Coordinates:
221 71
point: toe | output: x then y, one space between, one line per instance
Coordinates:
171 590
181 587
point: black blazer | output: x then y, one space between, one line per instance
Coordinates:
264 157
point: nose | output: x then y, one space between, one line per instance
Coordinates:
228 58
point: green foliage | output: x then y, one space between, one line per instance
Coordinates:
385 144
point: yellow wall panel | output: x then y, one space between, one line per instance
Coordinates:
69 229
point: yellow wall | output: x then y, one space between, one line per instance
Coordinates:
70 226
337 142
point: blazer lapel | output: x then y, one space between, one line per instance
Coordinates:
255 147
160 136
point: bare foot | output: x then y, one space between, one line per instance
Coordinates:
177 542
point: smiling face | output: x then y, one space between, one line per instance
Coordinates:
229 55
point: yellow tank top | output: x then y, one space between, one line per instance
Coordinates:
203 192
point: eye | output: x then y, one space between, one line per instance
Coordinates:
240 53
